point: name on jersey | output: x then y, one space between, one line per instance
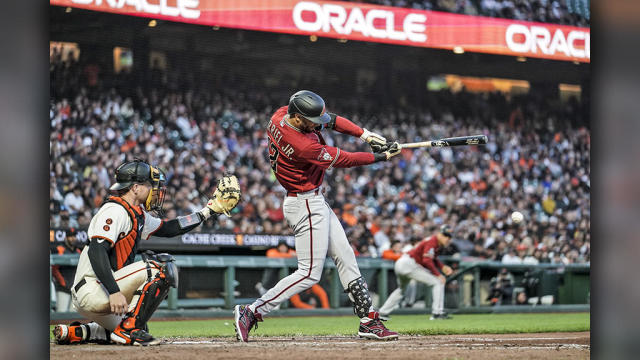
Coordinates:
276 134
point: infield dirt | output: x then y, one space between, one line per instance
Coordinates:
489 346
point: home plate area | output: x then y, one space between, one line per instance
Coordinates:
484 346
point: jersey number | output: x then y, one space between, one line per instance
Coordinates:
273 156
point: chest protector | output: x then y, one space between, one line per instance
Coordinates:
124 251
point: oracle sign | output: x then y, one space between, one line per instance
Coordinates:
365 22
184 8
330 17
534 39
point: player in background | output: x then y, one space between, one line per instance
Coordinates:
421 264
115 292
299 158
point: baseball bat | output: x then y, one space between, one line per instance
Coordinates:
446 142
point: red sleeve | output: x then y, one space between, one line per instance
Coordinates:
426 260
327 156
429 264
345 126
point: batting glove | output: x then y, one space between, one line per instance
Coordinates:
374 140
390 150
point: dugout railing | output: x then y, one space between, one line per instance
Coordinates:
569 284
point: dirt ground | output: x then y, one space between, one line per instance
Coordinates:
492 346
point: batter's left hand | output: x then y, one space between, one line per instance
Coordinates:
375 140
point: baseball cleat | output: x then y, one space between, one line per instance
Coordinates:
244 321
69 334
375 329
443 316
133 337
384 317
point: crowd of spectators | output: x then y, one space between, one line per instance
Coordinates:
565 12
537 162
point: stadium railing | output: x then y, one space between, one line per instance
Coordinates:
569 282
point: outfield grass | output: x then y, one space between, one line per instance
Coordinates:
404 324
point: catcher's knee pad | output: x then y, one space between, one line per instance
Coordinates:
150 298
167 265
170 271
359 294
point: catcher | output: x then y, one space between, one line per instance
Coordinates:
115 292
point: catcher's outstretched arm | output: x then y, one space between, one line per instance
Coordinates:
183 224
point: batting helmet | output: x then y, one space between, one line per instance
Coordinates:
310 105
445 230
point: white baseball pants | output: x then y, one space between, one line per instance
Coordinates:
92 299
318 232
407 269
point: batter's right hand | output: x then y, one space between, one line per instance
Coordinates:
118 303
393 150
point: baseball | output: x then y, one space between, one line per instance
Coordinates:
517 216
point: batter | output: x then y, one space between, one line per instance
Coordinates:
299 157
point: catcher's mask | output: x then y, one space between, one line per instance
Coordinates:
155 199
140 172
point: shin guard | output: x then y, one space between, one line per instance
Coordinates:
359 294
150 298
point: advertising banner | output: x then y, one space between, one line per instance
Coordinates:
58 236
365 22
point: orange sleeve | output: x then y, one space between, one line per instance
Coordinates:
390 255
298 303
322 295
55 270
274 253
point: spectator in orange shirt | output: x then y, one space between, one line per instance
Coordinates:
394 252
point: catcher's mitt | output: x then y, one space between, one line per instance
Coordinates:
226 196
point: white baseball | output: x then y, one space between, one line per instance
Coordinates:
517 216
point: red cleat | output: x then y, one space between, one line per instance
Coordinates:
375 329
244 321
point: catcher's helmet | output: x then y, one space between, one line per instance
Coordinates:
132 172
139 172
310 105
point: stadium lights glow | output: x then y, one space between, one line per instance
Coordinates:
216 27
458 50
521 58
313 38
342 40
68 10
153 23
576 62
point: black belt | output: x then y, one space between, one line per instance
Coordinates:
79 285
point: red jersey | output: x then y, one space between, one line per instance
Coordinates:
299 159
426 254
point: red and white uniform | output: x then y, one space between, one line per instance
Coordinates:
421 264
299 161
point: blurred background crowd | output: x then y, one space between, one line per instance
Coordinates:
564 12
537 161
